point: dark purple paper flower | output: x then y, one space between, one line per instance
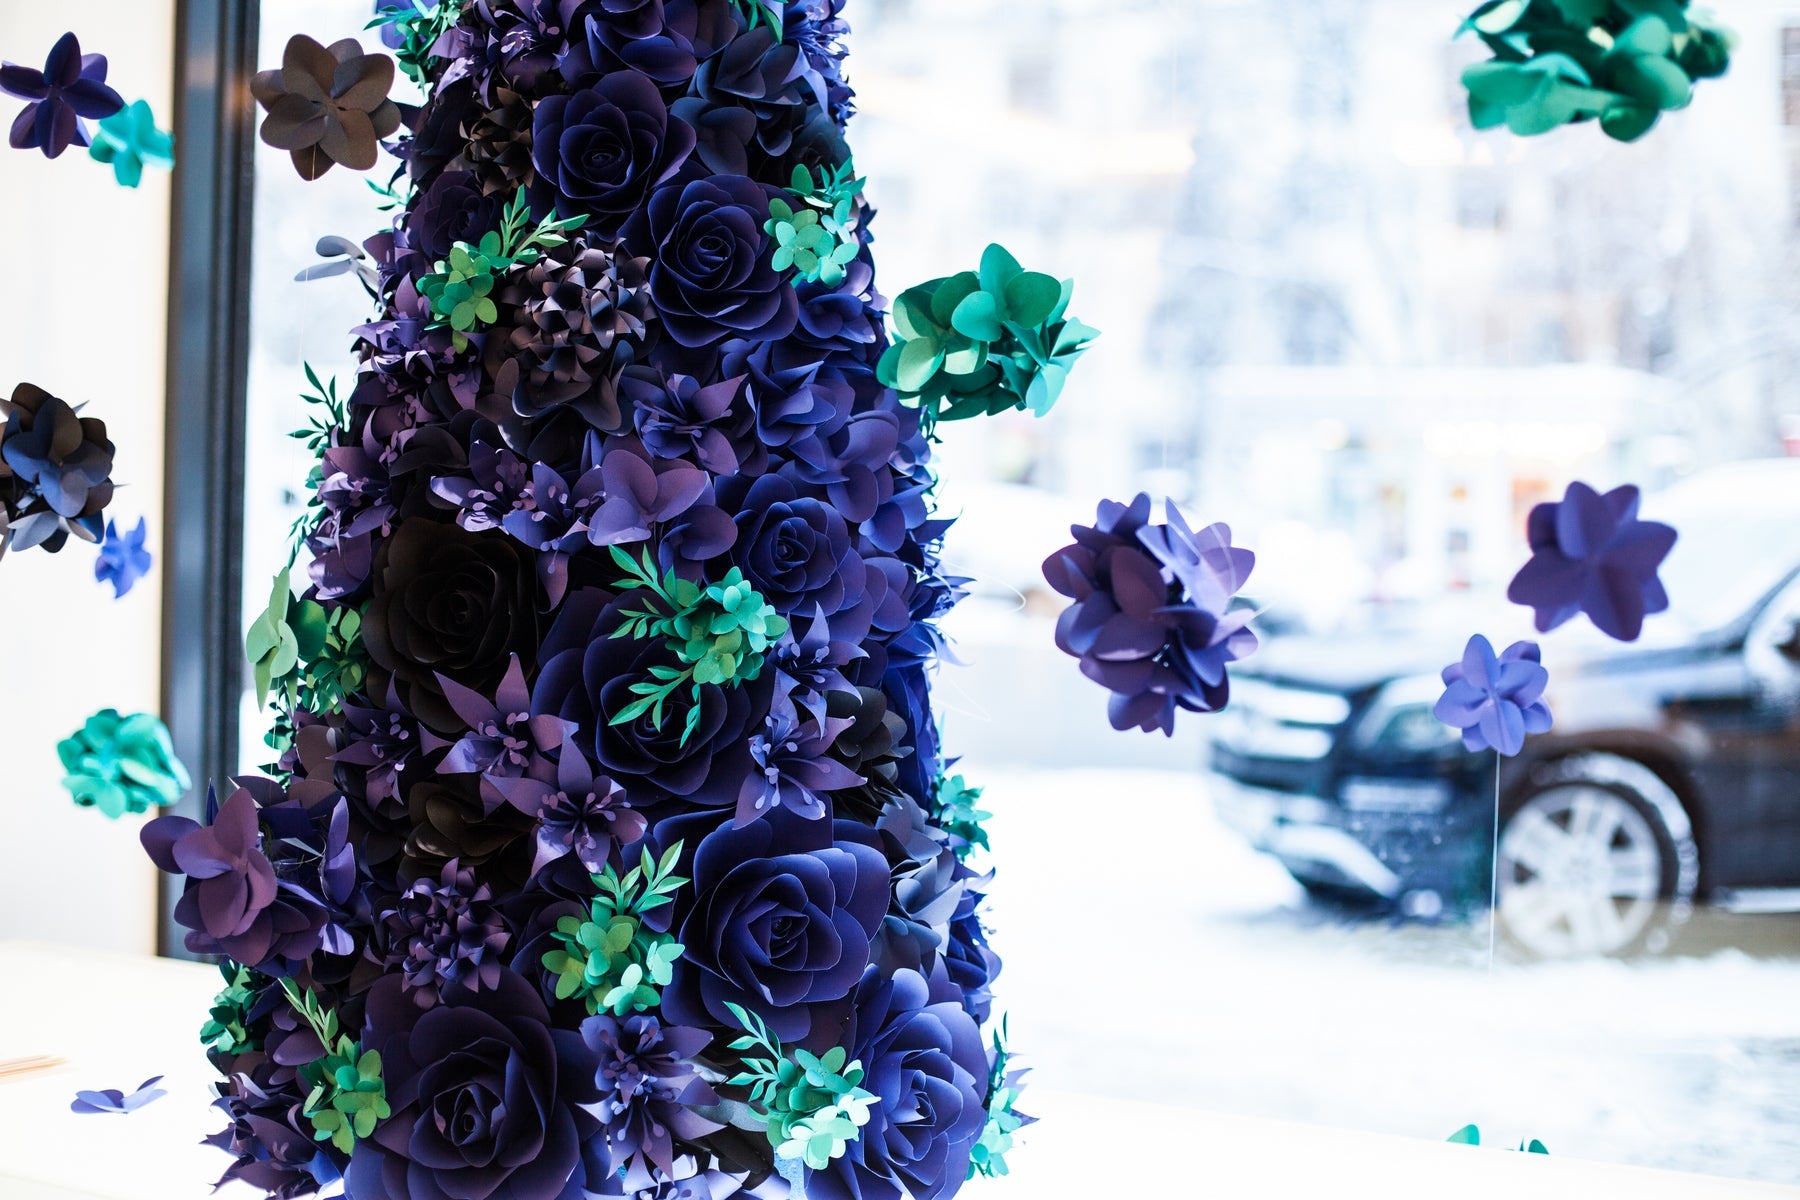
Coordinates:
1590 553
792 765
676 417
601 150
55 471
488 1099
123 558
639 496
453 209
710 275
504 741
665 39
71 86
923 1059
781 923
580 814
1495 701
232 902
648 1090
445 933
268 1135
1158 637
794 549
327 104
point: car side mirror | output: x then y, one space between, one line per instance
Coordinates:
1789 647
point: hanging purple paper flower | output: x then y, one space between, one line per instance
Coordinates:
1150 620
504 741
115 1100
792 767
123 559
583 814
445 933
55 471
1590 553
71 86
1495 700
648 1091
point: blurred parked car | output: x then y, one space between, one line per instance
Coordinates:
1671 777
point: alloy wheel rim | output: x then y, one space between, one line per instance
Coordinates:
1580 872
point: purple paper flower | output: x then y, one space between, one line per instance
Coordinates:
1590 553
488 1099
781 923
446 933
648 1090
582 814
601 150
233 903
504 741
677 417
123 558
1150 621
792 769
55 471
113 1100
639 495
71 86
1495 701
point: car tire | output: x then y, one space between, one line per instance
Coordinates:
1596 857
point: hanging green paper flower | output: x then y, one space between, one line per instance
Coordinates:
121 764
1561 62
984 342
612 960
129 140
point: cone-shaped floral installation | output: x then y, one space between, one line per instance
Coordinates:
610 849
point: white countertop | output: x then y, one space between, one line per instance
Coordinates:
119 1020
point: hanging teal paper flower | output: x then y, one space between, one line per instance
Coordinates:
130 141
1560 62
122 764
984 342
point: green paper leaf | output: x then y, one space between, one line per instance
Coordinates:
978 317
1468 1135
919 361
1031 297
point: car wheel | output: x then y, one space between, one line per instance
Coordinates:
1594 862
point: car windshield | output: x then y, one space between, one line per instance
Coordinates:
1739 537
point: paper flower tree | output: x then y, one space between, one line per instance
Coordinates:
1495 699
610 851
1151 620
1591 554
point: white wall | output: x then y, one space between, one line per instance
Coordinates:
82 314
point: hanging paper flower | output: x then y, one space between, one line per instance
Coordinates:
123 559
1560 62
1150 621
1590 553
55 471
71 86
122 764
327 104
1495 700
130 141
116 1100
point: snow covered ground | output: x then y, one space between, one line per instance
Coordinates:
1152 955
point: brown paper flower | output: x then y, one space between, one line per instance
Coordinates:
327 104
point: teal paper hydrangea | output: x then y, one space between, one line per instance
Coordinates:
121 764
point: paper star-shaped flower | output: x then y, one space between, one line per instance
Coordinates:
123 558
130 141
1495 699
327 104
1590 553
71 86
113 1100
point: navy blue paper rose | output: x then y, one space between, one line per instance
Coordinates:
710 273
71 86
600 151
781 923
1591 554
1495 699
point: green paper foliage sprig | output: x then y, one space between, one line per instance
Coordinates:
309 656
984 341
988 1157
959 814
763 12
818 236
460 288
810 1106
613 961
348 1095
419 27
1559 62
1470 1135
720 633
122 764
227 1028
128 141
327 424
